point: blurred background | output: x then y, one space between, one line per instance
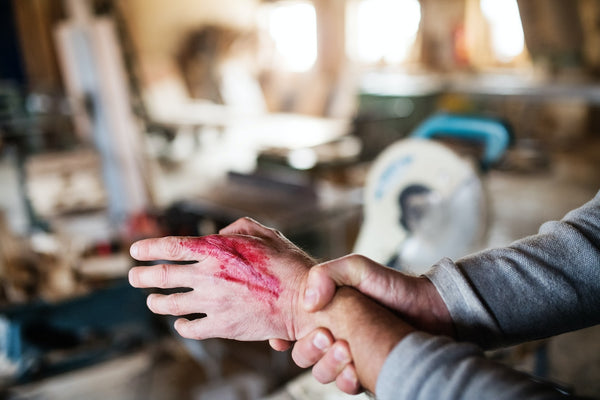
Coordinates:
125 119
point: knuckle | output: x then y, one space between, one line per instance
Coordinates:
246 221
173 304
280 240
320 273
171 248
276 233
356 269
317 269
355 259
239 223
163 276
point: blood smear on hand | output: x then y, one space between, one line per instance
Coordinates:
242 262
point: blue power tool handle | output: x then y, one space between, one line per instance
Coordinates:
493 133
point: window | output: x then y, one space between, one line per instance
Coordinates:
507 39
292 25
382 30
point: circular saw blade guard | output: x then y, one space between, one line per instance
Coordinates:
422 202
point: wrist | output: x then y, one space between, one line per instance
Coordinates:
298 323
440 319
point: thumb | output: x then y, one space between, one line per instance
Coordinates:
323 279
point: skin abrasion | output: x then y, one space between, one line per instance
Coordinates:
242 262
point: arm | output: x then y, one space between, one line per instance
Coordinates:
537 287
250 288
423 366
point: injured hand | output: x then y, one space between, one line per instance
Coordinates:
250 281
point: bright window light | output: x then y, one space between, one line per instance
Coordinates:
506 28
382 30
293 28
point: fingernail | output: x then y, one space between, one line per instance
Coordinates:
310 298
149 301
349 376
341 355
130 277
321 341
133 250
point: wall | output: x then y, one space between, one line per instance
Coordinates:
157 27
34 20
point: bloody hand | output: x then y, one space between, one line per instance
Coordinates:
249 281
247 286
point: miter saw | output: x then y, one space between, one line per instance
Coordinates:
423 201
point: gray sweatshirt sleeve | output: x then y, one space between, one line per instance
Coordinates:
426 367
539 286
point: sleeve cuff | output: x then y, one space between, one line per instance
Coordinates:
411 369
472 320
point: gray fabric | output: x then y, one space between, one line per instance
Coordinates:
539 286
470 317
436 368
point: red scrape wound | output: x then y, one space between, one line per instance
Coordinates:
243 262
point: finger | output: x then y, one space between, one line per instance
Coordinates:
172 248
245 226
164 276
332 363
308 350
198 329
173 304
280 344
347 381
322 279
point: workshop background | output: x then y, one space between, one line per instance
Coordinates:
125 119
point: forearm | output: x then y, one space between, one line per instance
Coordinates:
396 362
539 286
422 366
